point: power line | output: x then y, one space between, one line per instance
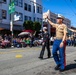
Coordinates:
70 7
72 4
57 12
70 0
63 13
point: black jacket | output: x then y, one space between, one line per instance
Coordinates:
46 37
74 38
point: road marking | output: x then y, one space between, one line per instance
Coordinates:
18 56
14 51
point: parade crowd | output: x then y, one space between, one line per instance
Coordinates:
6 41
31 41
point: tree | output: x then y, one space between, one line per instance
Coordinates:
28 25
36 26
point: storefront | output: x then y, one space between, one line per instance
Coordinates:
5 29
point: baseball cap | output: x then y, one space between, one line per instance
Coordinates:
60 16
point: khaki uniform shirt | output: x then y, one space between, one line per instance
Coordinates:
60 30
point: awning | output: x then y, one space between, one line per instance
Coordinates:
1 28
7 26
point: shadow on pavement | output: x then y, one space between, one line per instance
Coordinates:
47 58
75 60
71 66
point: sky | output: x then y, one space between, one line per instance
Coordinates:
65 7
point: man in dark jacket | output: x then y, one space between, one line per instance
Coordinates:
45 43
74 39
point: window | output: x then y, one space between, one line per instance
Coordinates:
25 18
21 16
40 10
37 9
33 9
16 2
0 14
20 3
4 14
25 6
38 19
16 13
34 19
29 8
30 18
3 1
54 20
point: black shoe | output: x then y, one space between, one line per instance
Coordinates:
40 57
61 70
57 67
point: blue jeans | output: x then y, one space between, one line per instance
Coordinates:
59 59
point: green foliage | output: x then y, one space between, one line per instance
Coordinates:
28 25
36 26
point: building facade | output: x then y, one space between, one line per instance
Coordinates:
53 17
26 9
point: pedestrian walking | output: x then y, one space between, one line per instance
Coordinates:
45 43
58 45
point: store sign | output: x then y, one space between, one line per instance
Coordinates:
12 7
16 18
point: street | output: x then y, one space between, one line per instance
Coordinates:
25 61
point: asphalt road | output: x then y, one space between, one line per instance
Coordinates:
24 61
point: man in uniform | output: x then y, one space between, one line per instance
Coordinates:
61 33
45 43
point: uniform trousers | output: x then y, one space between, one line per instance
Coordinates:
59 58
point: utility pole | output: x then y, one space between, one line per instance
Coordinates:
11 12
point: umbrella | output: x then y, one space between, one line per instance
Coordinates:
31 31
23 33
